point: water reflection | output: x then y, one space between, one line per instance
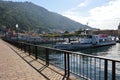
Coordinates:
95 51
102 51
112 51
88 66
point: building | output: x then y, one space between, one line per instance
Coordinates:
109 32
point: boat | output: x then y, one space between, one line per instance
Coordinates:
87 41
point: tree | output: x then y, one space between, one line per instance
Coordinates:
66 32
80 31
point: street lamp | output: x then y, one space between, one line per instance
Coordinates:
17 31
16 25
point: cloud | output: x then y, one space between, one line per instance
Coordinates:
109 11
79 6
76 17
82 5
104 17
75 14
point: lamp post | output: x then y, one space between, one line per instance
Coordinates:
17 31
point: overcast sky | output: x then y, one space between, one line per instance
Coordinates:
103 14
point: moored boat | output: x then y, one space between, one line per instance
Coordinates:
87 41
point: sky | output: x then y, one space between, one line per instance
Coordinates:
102 14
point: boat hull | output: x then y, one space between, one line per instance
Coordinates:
78 46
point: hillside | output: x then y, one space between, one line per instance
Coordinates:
31 17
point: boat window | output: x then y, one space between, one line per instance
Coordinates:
89 36
86 36
100 40
103 40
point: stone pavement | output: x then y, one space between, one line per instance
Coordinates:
18 65
12 67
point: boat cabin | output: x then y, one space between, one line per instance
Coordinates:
95 39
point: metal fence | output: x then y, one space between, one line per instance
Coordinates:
83 66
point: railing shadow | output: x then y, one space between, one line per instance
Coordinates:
42 68
83 66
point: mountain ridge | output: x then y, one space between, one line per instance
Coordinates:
31 17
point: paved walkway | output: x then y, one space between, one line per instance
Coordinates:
18 65
12 67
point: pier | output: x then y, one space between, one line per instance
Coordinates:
12 67
55 64
18 65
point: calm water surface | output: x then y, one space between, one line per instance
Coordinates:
112 52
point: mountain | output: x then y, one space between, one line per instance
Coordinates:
31 17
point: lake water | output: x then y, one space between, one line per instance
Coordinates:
111 52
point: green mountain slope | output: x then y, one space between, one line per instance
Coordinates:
34 18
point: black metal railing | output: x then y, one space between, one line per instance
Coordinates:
86 67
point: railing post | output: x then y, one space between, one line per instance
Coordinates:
36 52
106 69
21 46
18 44
25 47
47 56
113 70
68 66
29 49
65 63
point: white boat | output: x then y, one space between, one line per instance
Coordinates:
87 41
